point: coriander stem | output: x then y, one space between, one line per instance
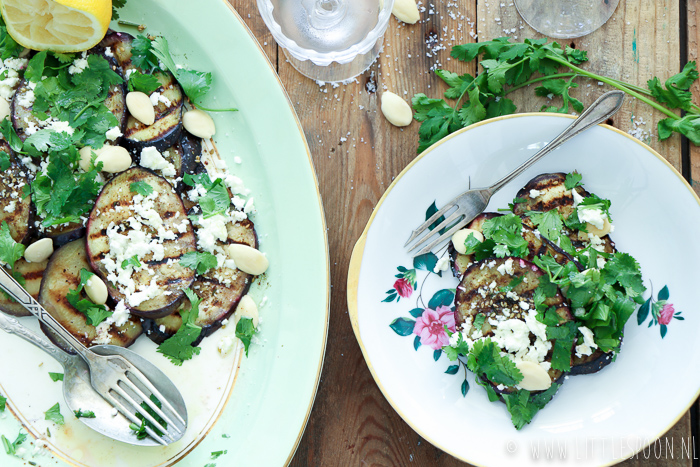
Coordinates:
541 78
615 84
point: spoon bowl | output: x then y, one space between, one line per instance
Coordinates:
80 395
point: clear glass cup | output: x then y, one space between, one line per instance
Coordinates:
328 40
566 19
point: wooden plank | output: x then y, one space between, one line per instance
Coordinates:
357 153
693 52
640 41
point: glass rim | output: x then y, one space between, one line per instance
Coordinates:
265 8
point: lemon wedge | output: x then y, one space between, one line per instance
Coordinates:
57 25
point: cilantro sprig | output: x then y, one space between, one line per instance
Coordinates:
508 66
245 330
178 347
216 200
54 415
84 413
200 261
140 430
95 314
11 447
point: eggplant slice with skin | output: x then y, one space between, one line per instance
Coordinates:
220 290
537 245
553 194
15 208
480 293
60 277
115 206
32 274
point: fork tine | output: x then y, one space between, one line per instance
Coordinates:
131 416
149 402
122 393
443 237
141 379
454 217
428 222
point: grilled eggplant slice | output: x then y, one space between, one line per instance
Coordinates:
536 245
166 130
23 119
220 290
63 275
32 274
185 156
64 233
589 364
114 207
480 293
552 194
15 208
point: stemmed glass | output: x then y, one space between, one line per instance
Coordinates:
328 40
566 19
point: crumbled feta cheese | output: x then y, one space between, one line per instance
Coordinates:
152 159
79 64
577 198
594 217
535 193
443 264
113 133
588 343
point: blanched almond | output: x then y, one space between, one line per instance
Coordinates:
535 378
406 11
114 158
85 158
607 227
96 290
247 309
39 251
199 123
140 107
247 259
396 110
4 109
459 237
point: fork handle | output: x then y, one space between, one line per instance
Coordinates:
603 108
13 326
17 292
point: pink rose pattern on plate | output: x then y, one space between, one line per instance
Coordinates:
662 312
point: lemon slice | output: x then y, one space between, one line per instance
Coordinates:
57 25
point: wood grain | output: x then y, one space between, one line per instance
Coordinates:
357 154
640 41
693 52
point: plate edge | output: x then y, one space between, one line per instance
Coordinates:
358 251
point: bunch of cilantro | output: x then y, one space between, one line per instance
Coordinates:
508 66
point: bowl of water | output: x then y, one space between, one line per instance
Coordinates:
328 40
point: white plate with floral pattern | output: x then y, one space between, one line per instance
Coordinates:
399 307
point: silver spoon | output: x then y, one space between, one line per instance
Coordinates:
78 391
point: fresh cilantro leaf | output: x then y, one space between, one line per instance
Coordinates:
216 201
4 161
84 413
523 405
142 82
197 179
245 331
516 200
142 55
195 84
11 447
485 359
438 120
178 347
54 415
35 67
505 232
472 244
675 93
514 282
216 454
3 401
688 126
94 313
141 187
140 430
559 87
564 336
479 321
623 269
56 376
9 134
572 180
200 261
10 250
549 223
461 348
117 4
133 261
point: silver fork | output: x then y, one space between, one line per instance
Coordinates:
116 379
465 207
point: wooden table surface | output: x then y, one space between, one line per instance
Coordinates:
357 153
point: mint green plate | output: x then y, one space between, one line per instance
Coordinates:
264 415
